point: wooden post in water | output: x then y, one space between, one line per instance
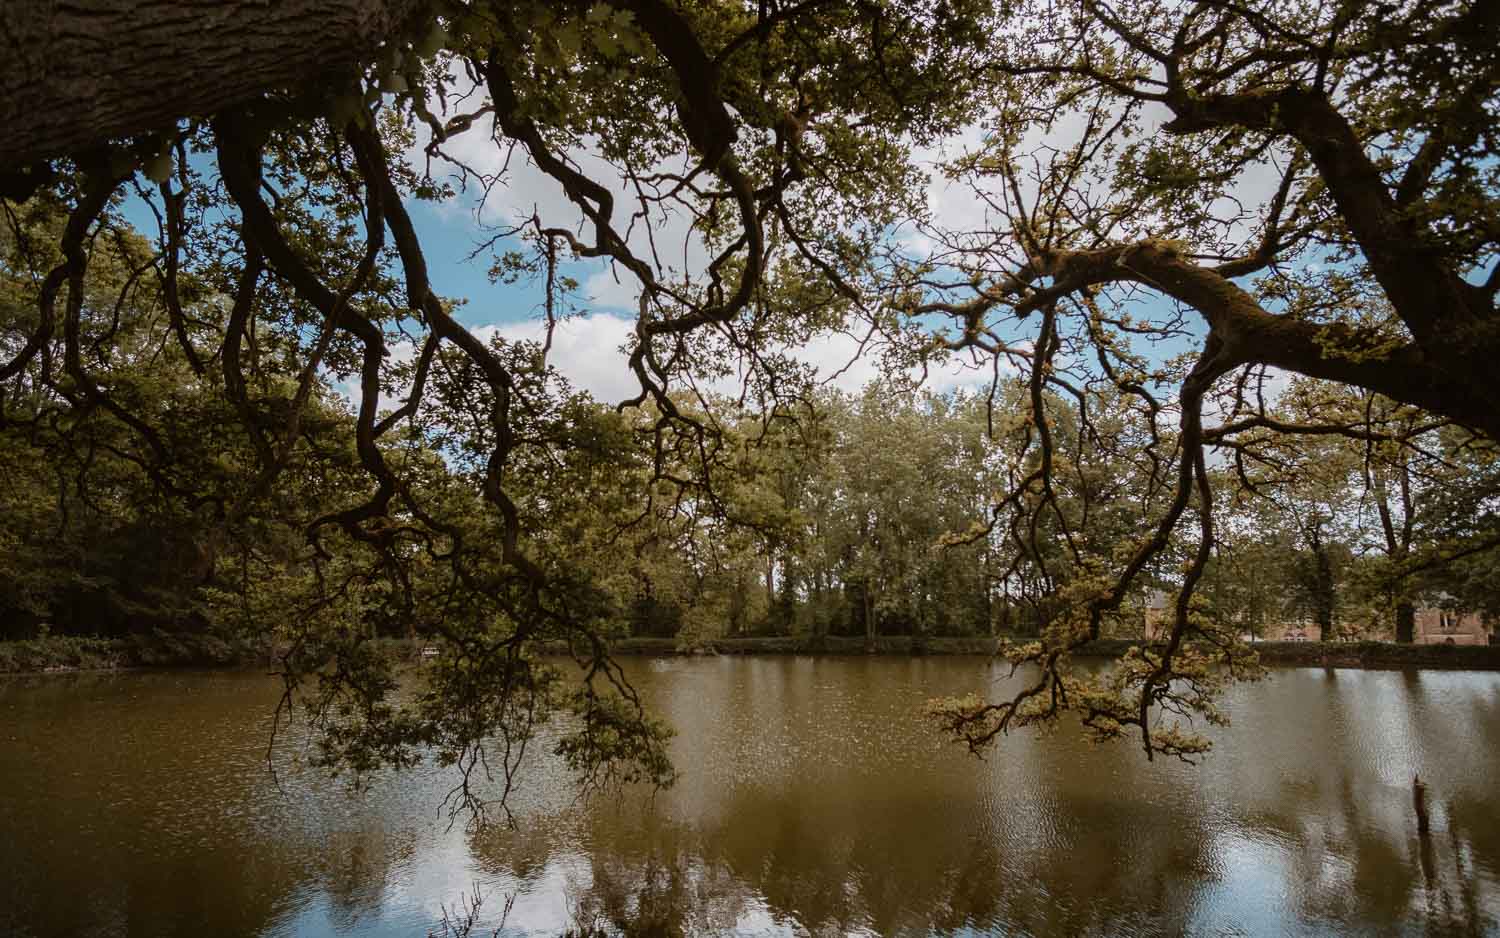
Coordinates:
1424 842
1419 799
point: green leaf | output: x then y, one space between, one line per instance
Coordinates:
158 169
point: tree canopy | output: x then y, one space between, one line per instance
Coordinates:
1178 205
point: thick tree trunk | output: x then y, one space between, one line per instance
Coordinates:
820 604
81 72
788 611
1323 597
1398 546
770 583
738 605
1406 622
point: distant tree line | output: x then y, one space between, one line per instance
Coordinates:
1182 208
869 514
874 517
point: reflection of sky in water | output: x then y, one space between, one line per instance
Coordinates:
814 800
1253 885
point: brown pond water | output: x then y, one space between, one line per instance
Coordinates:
813 800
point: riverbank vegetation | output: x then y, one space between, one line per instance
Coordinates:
51 653
1228 306
857 519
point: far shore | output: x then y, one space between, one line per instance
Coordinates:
159 651
1375 655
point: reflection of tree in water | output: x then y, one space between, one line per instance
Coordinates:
802 808
1345 819
1292 825
876 872
662 895
1449 899
354 870
153 821
648 884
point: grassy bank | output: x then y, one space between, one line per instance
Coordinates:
1307 654
1376 655
165 650
158 649
151 650
1381 655
805 645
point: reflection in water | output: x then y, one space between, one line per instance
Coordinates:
813 800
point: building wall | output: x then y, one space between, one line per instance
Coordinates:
1158 624
1443 627
1434 626
1289 632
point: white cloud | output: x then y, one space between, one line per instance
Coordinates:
961 208
952 204
586 350
522 190
611 289
838 361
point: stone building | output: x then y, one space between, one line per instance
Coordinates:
1438 626
1435 625
1158 622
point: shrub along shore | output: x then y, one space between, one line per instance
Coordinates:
1311 654
157 649
67 653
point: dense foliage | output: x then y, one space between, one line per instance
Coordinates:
1179 204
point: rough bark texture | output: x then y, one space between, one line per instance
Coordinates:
1406 623
78 72
1438 379
1323 598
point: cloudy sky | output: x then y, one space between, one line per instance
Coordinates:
587 349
